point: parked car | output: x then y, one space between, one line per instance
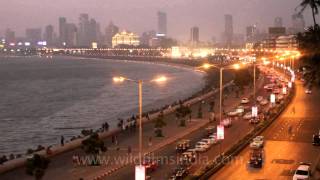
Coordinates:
276 91
302 172
233 113
188 157
280 97
240 109
179 173
210 130
245 101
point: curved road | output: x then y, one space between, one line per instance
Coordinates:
283 149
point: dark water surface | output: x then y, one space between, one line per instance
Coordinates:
42 99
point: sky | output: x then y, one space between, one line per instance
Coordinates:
141 15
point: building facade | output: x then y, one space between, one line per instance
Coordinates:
125 38
162 24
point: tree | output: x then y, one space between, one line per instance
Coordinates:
314 8
36 166
159 124
93 145
242 78
181 113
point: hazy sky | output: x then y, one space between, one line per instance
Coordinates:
140 15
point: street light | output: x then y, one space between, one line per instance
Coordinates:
121 79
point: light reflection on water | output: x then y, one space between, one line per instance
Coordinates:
42 99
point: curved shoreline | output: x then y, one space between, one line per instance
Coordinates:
71 145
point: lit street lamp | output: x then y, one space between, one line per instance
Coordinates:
121 79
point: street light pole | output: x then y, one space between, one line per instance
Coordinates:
140 122
221 89
254 83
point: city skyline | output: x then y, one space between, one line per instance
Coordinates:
144 19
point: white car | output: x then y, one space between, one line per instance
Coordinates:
257 142
240 109
226 122
245 101
264 102
247 116
259 98
232 113
201 146
308 91
302 172
208 141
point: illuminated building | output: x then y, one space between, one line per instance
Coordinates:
194 36
286 42
125 38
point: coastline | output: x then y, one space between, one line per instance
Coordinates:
76 143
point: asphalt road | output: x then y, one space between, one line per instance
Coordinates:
239 129
284 150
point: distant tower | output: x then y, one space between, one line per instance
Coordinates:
48 35
62 30
10 36
84 30
111 30
278 22
228 32
162 23
194 35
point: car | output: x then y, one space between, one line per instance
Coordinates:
233 113
276 91
188 157
209 141
256 158
302 172
308 91
245 101
150 164
259 98
201 147
240 109
254 121
213 139
183 145
226 122
210 130
257 142
316 139
247 116
264 102
179 173
280 97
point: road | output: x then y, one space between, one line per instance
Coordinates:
239 129
283 150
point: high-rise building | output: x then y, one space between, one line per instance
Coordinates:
71 40
194 35
278 22
10 36
162 24
93 31
49 35
147 38
251 32
228 31
33 35
84 30
111 30
62 30
298 23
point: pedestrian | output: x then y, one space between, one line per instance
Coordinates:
49 151
148 118
62 141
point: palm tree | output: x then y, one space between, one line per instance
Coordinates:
159 124
314 8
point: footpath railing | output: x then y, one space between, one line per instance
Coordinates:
69 146
212 167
